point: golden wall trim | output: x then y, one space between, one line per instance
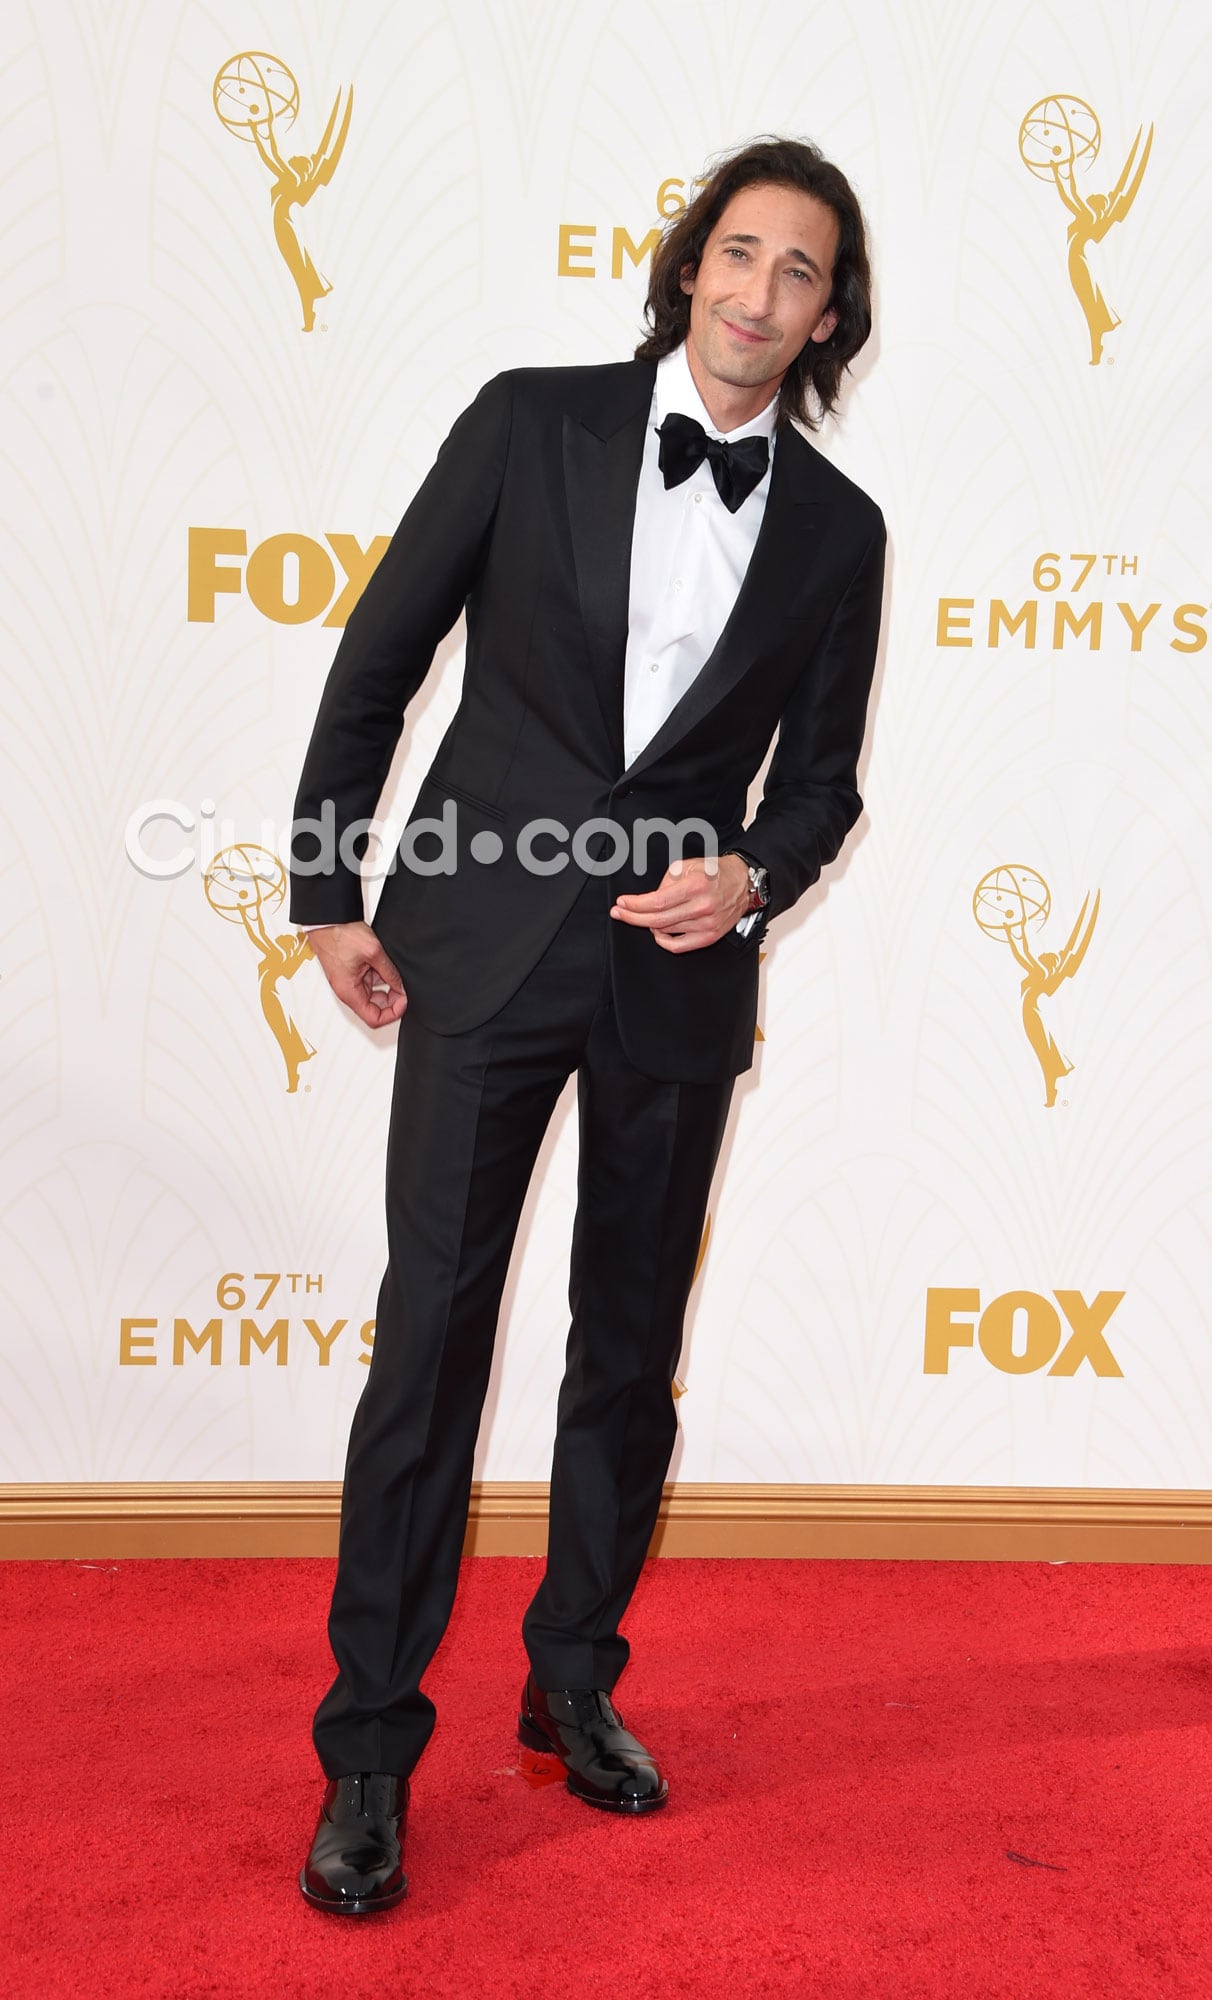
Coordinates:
981 1523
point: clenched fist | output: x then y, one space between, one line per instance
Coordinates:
360 972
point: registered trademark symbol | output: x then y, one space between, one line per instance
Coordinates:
323 327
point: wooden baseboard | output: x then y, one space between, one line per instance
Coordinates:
938 1523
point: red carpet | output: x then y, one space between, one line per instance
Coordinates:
888 1779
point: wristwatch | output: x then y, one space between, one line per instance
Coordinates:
759 883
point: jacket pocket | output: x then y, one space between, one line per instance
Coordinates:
442 784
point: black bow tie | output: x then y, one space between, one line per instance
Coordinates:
735 468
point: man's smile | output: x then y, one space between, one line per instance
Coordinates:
744 333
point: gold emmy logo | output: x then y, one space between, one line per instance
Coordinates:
247 885
257 99
1057 136
1006 903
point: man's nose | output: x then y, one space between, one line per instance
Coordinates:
757 292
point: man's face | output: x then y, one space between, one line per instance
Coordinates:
762 289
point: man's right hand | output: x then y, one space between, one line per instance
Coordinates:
360 972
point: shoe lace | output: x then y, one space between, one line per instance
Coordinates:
370 1795
589 1705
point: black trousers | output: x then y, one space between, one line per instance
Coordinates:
468 1116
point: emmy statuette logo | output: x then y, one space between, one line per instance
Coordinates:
257 100
1059 136
246 885
1007 903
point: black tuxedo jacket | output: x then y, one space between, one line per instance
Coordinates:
525 522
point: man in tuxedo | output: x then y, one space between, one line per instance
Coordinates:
658 572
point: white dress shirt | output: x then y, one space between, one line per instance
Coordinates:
688 561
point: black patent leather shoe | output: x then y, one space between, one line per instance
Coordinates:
606 1766
356 1864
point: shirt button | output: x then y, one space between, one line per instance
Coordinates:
698 499
654 666
678 584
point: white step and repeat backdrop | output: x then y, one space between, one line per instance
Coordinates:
256 258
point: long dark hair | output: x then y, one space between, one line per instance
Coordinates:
811 384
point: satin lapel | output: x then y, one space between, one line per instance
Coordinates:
603 451
776 568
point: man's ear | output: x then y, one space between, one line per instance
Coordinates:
687 276
824 326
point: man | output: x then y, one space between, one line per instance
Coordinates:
658 571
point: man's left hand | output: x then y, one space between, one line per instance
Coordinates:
694 906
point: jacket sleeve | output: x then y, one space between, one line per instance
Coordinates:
408 606
810 799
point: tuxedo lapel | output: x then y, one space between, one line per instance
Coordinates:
784 546
603 450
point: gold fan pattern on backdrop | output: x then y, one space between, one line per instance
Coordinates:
1043 698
